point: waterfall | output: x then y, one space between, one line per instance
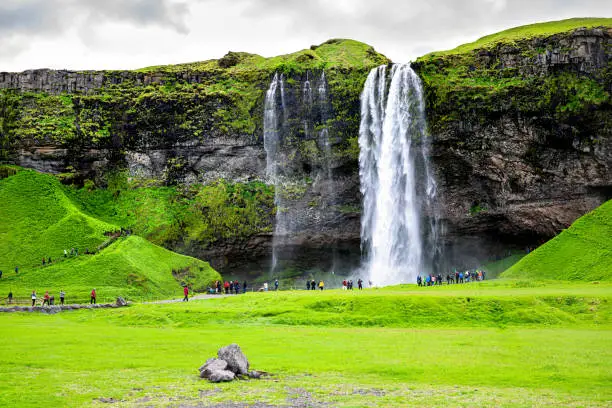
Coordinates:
397 183
272 143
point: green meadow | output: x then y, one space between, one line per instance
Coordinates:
498 343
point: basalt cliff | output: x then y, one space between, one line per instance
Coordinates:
521 132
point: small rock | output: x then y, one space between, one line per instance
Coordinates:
235 358
121 301
221 376
207 370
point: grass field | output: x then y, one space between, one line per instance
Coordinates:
421 347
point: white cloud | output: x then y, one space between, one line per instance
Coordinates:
126 34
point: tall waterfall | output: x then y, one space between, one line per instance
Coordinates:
397 183
272 144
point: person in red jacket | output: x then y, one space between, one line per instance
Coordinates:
93 296
186 293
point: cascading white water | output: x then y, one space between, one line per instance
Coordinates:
272 141
396 180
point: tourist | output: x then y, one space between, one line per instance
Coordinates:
370 282
219 287
344 284
65 253
428 280
33 298
419 280
313 284
62 296
10 297
16 270
360 284
43 261
276 284
236 287
226 286
52 300
483 275
307 284
49 261
321 285
461 277
93 296
265 286
185 293
0 274
244 287
46 298
456 276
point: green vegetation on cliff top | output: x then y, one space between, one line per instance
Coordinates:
332 54
39 219
525 32
581 252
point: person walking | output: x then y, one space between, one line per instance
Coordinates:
321 285
65 253
46 299
313 285
276 284
186 293
10 297
93 297
226 287
244 287
307 284
360 284
33 298
265 286
62 296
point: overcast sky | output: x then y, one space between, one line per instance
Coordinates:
127 34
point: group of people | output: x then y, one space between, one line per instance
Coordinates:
49 300
348 284
451 278
312 285
228 287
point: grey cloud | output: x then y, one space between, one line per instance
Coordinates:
44 17
397 21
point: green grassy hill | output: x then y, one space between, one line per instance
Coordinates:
40 220
581 252
528 31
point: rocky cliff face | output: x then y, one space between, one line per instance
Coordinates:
522 137
198 123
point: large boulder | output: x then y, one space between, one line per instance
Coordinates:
221 376
212 366
235 358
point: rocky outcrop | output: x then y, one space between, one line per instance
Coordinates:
521 158
231 364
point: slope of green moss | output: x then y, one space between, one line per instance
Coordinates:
527 31
507 72
581 252
131 267
39 219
